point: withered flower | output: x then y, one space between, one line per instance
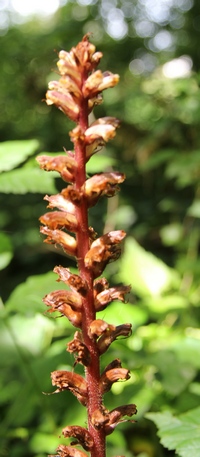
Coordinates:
102 184
80 434
115 417
111 375
65 165
76 283
112 334
67 380
77 346
69 451
104 250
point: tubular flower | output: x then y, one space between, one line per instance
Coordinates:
76 93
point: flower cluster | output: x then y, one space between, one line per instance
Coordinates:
77 91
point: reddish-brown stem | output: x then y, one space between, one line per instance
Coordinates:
88 312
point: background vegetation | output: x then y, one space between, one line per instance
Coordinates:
158 147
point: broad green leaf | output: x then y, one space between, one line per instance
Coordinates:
194 209
13 153
27 297
24 180
181 433
117 313
148 275
100 162
167 303
34 332
6 252
174 373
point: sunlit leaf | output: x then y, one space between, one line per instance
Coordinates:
148 275
6 251
21 181
179 433
13 153
99 163
27 297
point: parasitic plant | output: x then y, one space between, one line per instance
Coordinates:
76 93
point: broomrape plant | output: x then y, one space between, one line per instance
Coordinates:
76 93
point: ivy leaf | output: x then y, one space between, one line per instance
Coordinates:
25 180
13 153
179 433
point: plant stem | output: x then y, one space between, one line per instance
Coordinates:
92 372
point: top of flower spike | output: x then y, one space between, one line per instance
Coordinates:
79 80
82 55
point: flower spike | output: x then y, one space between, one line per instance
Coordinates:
77 91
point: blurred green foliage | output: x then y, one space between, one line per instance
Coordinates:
158 147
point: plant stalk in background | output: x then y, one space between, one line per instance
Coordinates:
76 93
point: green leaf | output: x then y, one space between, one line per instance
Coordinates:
148 275
13 153
179 433
24 180
6 252
118 313
194 209
100 162
27 297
